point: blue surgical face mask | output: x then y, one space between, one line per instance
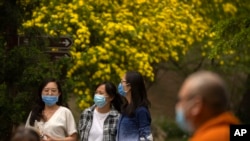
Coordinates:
121 90
49 100
100 100
182 122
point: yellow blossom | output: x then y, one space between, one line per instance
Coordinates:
229 8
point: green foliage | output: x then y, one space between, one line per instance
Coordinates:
171 129
232 44
231 54
5 130
23 68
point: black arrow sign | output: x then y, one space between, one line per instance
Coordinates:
56 46
60 42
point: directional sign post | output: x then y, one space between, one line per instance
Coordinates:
56 46
61 42
59 46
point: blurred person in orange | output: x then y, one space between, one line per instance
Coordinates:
203 110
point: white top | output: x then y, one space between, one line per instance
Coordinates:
96 131
60 125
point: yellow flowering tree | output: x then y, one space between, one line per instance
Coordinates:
200 55
214 12
113 36
227 35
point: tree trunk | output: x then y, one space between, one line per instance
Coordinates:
11 23
8 31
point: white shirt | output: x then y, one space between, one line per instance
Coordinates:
96 131
60 125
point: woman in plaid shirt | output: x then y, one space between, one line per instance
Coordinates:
98 122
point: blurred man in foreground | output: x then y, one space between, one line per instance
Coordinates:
203 108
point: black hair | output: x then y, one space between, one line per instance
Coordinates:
25 134
111 90
36 113
138 93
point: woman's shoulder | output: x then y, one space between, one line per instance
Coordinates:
64 109
89 109
114 112
143 113
141 109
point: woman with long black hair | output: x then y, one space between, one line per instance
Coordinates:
135 121
54 121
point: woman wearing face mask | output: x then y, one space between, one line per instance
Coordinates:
98 122
135 121
54 121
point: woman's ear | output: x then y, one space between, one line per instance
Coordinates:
110 98
128 87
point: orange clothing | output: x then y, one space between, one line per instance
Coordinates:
216 129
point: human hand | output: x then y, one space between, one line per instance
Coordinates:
47 138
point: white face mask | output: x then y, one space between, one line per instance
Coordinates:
181 120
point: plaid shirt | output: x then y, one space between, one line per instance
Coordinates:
109 127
